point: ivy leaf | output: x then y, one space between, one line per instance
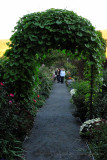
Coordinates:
41 26
93 39
37 56
79 34
44 56
56 38
27 25
44 36
21 61
48 43
87 45
64 51
40 42
11 64
28 64
16 64
58 22
12 73
33 37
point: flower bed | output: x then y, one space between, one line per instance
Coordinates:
17 118
95 131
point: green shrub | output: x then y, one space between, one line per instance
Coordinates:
2 71
16 122
17 119
67 75
10 148
81 99
104 87
45 77
98 145
95 131
100 99
100 105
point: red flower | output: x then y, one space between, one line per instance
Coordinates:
10 102
12 95
69 77
1 84
34 100
38 95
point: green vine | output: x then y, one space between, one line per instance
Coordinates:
37 33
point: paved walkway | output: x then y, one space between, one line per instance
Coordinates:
55 135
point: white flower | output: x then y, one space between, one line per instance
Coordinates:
72 92
88 124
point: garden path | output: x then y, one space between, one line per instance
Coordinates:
55 135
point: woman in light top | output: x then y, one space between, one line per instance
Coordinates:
62 75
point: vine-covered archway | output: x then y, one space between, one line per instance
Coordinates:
37 33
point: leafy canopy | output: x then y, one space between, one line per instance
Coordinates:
37 33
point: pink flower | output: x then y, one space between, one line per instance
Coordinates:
1 84
34 100
12 95
10 102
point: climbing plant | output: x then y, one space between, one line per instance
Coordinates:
37 33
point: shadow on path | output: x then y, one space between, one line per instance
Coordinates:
55 135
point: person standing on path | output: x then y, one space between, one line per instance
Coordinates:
62 75
58 75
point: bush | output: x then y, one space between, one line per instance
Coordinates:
98 145
105 81
45 77
71 68
95 131
17 119
71 71
80 99
67 75
100 105
2 71
13 126
100 100
87 126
